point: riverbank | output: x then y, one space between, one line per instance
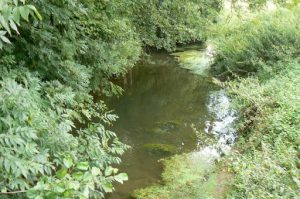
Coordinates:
261 55
267 162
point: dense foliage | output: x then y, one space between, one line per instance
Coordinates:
164 23
54 141
268 163
254 44
266 49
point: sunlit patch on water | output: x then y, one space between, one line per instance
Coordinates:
196 61
221 126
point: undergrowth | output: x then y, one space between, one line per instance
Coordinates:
268 163
262 54
249 45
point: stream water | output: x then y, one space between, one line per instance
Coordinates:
160 105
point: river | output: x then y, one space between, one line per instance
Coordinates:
160 105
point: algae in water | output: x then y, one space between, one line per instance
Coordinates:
163 149
189 176
198 62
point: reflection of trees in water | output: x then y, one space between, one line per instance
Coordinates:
170 91
159 104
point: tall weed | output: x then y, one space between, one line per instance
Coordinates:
266 39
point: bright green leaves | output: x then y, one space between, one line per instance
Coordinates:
121 177
44 157
95 171
109 171
11 14
108 187
264 47
83 166
78 181
62 173
68 162
4 24
266 37
24 12
269 133
3 37
77 175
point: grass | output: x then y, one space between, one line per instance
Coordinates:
249 45
267 165
262 56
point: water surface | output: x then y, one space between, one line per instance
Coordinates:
160 103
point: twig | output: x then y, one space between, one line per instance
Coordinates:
13 192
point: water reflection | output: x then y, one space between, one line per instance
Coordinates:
160 103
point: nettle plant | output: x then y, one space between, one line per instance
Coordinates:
11 14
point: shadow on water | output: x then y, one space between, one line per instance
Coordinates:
160 102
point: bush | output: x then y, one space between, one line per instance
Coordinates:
263 41
164 24
264 50
268 166
40 150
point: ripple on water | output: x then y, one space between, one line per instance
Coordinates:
221 126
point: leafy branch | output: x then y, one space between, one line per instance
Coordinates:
11 14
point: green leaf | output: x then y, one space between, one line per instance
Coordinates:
2 33
16 2
108 171
107 187
16 15
86 192
24 11
4 23
13 26
35 12
77 175
121 177
4 190
82 166
31 193
68 162
5 39
61 173
95 171
115 171
60 188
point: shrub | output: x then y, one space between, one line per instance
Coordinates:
251 45
268 163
